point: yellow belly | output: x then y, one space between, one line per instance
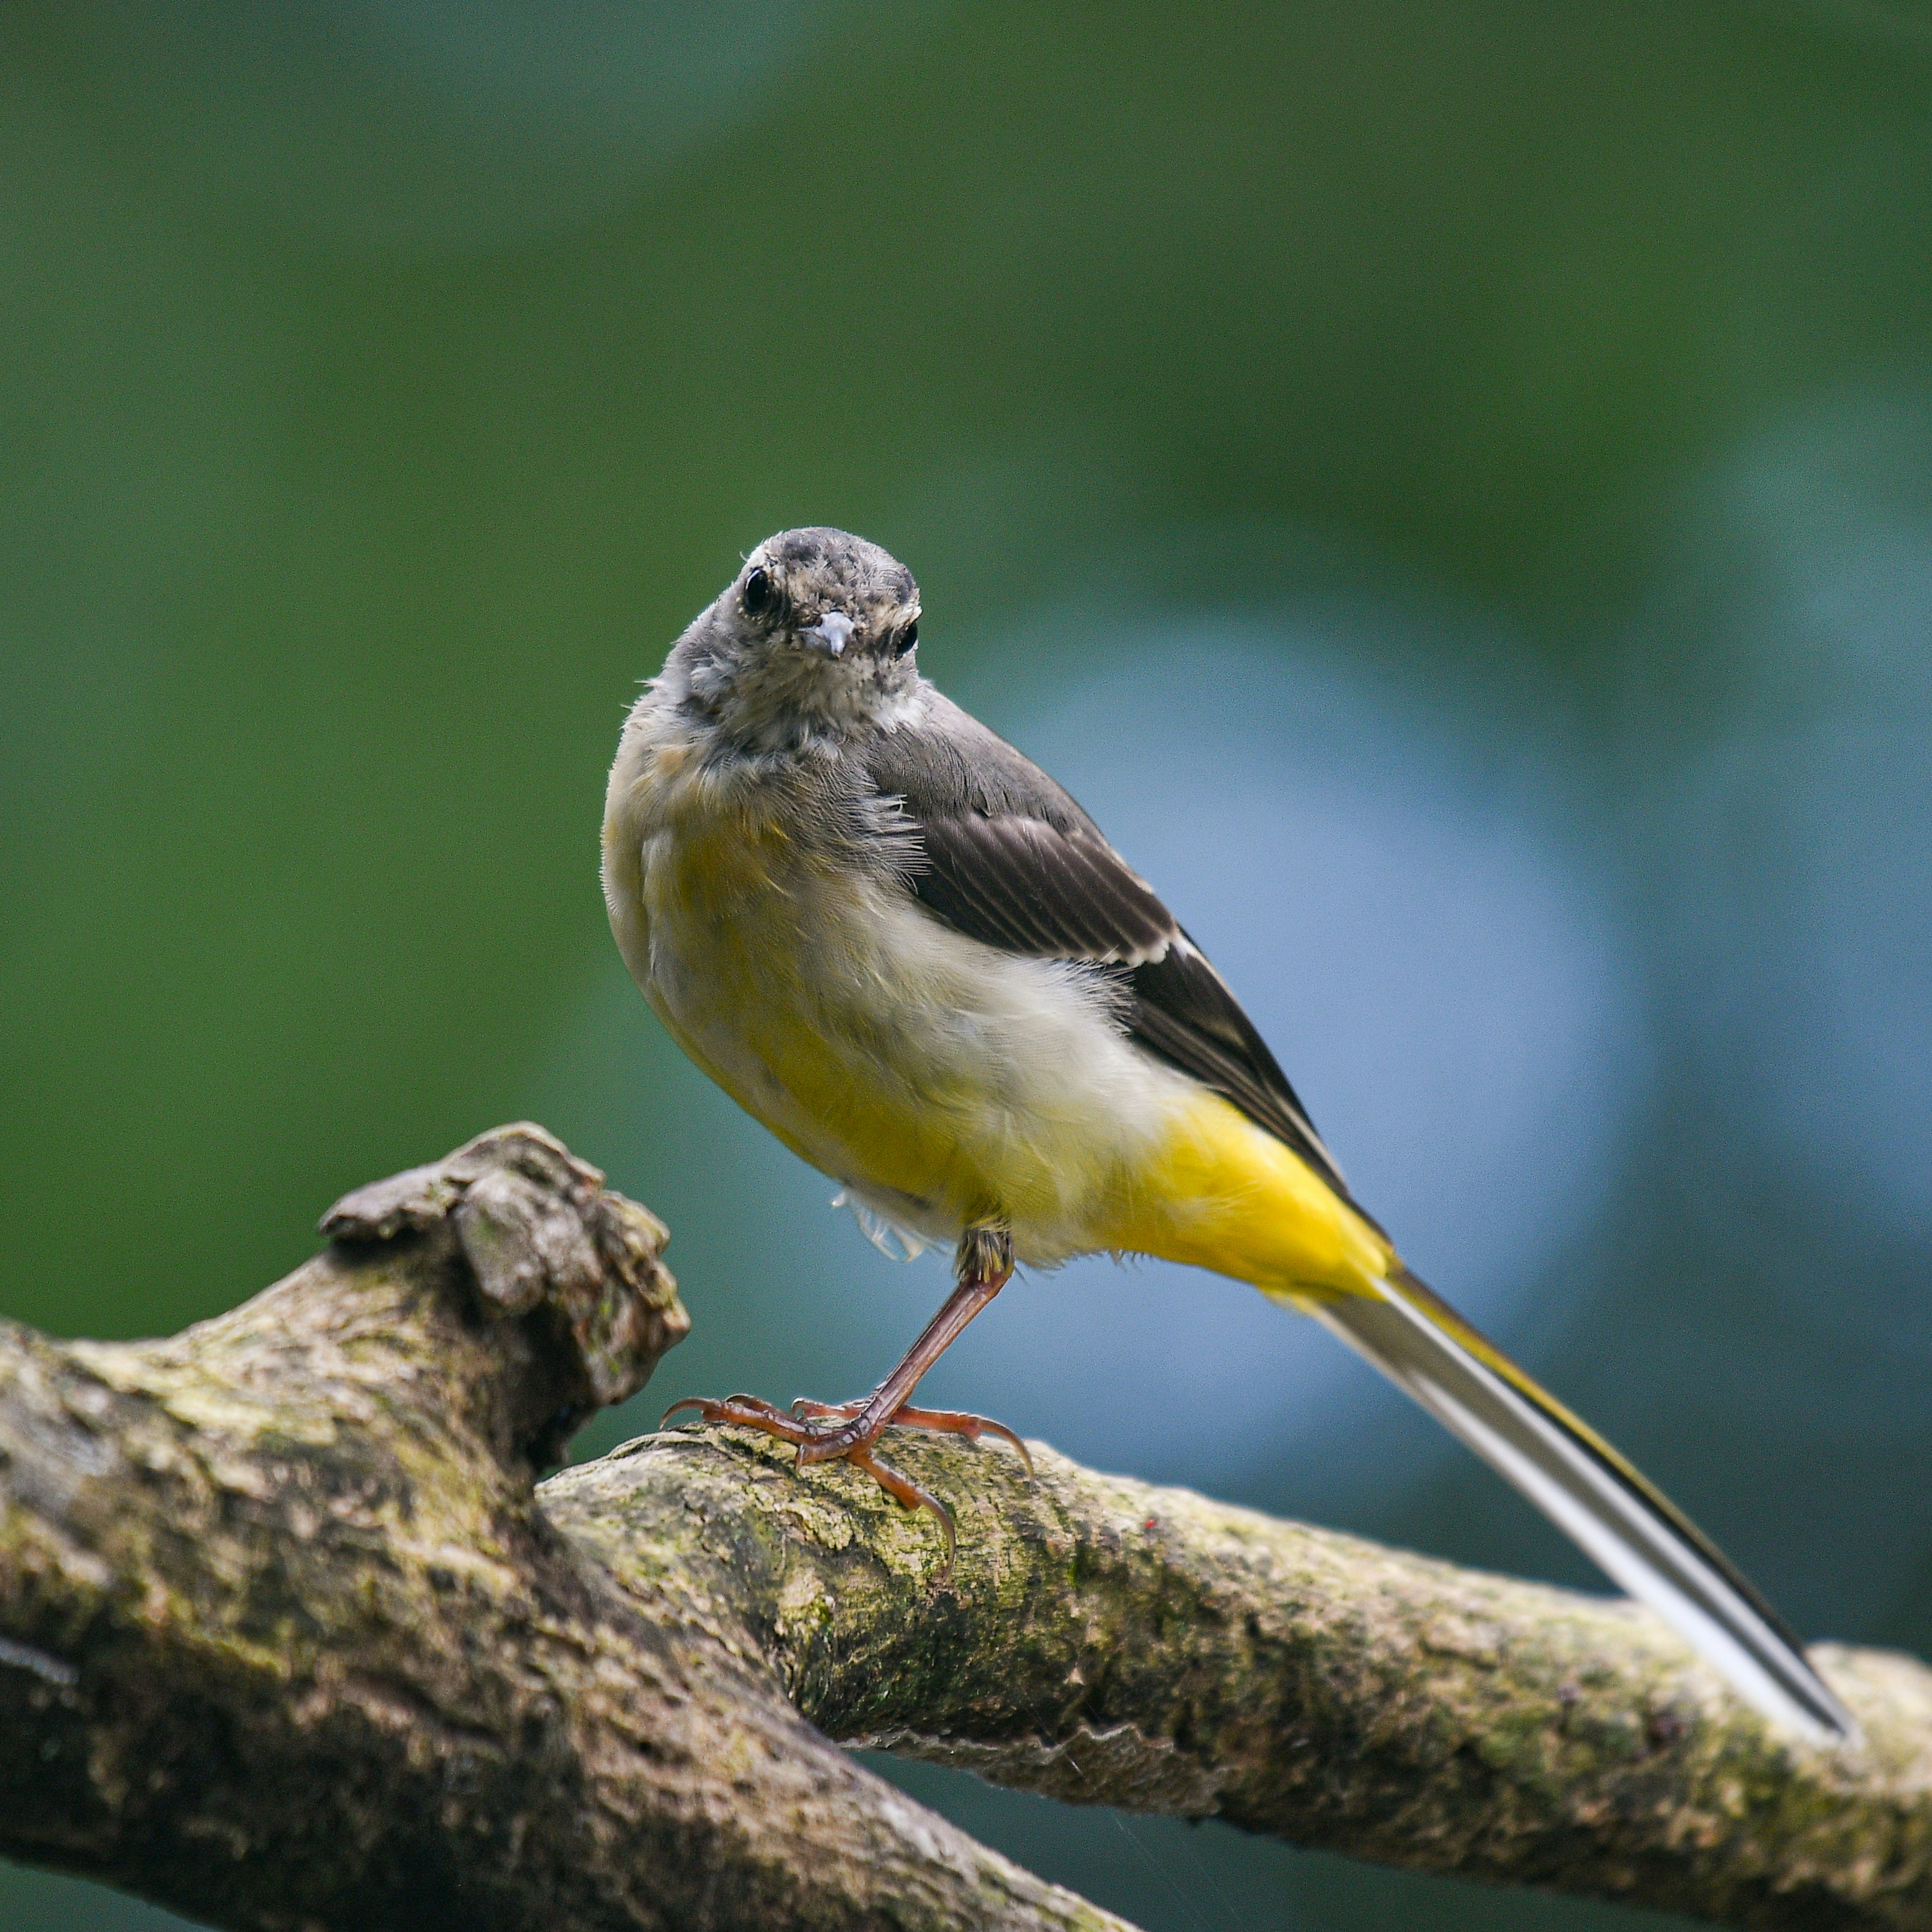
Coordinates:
1221 1194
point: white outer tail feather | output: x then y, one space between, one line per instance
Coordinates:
1639 1548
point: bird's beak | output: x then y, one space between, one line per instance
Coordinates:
831 634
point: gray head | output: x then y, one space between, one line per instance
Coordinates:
814 640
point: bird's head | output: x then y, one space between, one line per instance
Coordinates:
815 637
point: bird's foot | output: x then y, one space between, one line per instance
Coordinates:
826 1432
937 1421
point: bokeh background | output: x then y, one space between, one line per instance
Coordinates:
1449 486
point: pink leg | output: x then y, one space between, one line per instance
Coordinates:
828 1432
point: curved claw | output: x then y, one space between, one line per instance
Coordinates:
746 1411
908 1495
951 1423
712 1408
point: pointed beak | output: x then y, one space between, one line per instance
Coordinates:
831 634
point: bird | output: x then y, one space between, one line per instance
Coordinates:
903 948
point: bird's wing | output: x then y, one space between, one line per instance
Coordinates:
1007 858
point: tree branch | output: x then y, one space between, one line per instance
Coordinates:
289 1640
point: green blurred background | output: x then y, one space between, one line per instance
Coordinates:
1468 468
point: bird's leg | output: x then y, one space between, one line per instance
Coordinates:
825 1432
984 1266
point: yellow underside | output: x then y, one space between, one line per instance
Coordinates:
1221 1194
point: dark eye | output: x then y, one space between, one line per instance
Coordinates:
758 593
906 639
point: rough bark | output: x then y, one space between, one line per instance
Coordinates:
289 1639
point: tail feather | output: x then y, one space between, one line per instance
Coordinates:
1618 1518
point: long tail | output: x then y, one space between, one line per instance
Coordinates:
1627 1527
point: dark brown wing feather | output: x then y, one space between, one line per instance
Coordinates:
1007 858
1020 883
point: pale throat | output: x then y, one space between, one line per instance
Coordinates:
800 702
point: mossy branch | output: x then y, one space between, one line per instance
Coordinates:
289 1638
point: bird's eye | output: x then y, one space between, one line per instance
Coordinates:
906 639
757 595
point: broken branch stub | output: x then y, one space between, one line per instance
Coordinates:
543 1239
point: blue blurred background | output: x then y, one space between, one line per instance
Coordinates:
1468 468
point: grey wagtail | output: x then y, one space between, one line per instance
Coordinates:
899 944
